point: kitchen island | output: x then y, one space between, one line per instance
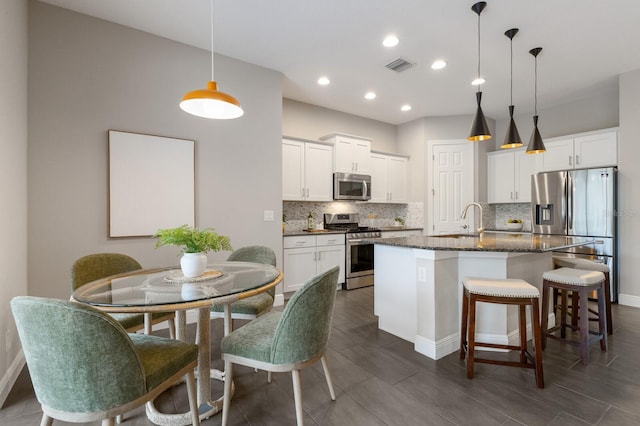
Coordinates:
418 284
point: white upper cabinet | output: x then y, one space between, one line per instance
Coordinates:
351 153
388 178
580 151
509 176
307 171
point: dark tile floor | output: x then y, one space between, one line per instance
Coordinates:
380 380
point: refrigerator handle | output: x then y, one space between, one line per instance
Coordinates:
570 202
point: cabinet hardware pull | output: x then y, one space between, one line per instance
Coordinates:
570 161
516 195
577 159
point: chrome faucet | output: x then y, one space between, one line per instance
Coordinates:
463 215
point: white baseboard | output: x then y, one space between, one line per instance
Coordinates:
278 300
439 349
9 379
629 300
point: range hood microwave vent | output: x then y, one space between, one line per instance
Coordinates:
399 65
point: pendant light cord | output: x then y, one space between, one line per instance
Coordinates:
212 75
511 88
535 87
479 49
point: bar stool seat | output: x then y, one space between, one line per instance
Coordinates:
589 265
581 282
501 291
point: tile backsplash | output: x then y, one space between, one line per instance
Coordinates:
379 215
371 214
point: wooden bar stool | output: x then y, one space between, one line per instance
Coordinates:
507 292
580 282
588 265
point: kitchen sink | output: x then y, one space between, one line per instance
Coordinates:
457 236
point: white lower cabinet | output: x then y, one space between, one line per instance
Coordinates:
305 256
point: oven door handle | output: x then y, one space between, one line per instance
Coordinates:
354 241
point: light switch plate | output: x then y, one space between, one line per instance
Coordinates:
268 215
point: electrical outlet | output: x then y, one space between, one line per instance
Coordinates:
422 274
268 216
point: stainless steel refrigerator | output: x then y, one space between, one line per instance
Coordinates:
580 203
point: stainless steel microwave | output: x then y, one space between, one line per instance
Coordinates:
348 186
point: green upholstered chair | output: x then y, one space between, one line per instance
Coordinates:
95 266
286 341
254 306
95 370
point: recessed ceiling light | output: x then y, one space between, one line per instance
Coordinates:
323 81
405 108
478 81
390 41
370 95
438 65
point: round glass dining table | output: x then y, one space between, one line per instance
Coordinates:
167 290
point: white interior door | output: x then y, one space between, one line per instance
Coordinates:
451 186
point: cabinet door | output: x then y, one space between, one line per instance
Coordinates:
525 166
379 178
397 181
596 150
500 175
319 172
352 155
558 156
299 267
330 256
293 186
343 154
362 156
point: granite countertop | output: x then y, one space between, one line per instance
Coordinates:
399 228
314 232
490 241
325 231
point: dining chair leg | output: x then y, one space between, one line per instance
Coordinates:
46 420
147 324
108 422
464 323
193 398
327 375
226 401
172 328
522 314
297 395
119 418
269 376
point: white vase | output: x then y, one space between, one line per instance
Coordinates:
193 264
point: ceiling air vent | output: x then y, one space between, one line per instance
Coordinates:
399 65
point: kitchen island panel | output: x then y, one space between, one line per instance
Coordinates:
418 294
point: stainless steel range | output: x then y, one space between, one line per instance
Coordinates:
359 261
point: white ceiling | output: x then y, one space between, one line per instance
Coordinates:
586 45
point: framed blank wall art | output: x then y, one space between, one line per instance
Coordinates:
151 183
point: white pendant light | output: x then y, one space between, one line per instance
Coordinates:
210 102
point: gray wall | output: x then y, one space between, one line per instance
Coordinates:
412 140
629 199
13 180
87 76
311 122
593 112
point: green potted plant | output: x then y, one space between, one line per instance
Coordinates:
284 222
514 224
399 221
195 244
